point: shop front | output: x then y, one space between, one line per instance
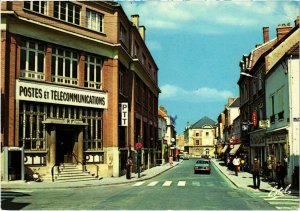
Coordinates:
278 149
258 146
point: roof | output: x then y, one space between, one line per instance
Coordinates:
204 121
161 113
235 103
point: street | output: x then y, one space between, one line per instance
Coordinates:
176 189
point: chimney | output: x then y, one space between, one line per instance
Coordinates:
297 21
266 34
282 30
135 20
142 30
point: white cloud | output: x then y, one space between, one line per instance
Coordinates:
192 15
203 94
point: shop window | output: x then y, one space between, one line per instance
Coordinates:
93 72
67 11
36 6
94 21
32 61
64 66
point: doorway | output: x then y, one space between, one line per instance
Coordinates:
65 142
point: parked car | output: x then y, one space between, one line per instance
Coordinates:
202 165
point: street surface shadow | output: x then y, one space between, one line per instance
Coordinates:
8 204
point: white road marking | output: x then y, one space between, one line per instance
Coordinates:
181 183
167 183
138 183
153 183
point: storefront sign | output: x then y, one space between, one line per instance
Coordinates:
124 114
254 118
47 93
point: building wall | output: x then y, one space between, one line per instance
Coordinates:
116 53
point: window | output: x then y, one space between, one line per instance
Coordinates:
254 87
197 134
67 11
32 133
207 133
93 131
260 81
36 6
123 33
64 66
136 50
94 20
121 82
197 142
32 59
92 72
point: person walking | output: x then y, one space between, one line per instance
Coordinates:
236 163
280 175
255 173
128 167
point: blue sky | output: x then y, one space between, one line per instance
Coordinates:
197 46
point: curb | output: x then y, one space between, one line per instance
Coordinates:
226 175
89 184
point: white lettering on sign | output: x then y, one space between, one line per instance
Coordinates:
47 93
124 114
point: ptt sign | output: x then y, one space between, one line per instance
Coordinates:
124 114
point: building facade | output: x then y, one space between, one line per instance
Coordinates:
282 105
78 86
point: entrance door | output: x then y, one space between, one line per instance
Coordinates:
65 139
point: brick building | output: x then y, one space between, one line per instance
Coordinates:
66 69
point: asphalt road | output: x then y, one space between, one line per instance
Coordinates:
176 189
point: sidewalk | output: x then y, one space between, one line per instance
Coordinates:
244 179
145 175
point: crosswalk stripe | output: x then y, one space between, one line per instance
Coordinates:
281 202
281 199
167 183
152 183
287 208
181 183
138 183
196 184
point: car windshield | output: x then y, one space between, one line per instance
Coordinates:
202 162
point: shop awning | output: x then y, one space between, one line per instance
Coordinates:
224 149
234 149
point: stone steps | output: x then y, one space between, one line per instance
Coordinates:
71 173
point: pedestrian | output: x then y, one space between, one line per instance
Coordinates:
128 167
236 163
255 173
280 175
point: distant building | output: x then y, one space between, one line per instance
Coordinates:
200 138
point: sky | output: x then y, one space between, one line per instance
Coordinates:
198 44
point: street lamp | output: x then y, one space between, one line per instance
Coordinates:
247 74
